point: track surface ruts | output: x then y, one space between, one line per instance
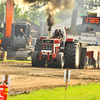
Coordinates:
24 77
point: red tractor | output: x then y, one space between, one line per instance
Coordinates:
59 51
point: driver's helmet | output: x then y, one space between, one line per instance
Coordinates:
56 31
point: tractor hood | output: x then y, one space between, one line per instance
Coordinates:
51 41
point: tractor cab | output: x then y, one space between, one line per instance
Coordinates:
61 30
16 41
20 41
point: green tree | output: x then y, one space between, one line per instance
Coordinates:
85 5
17 12
63 15
2 12
35 13
24 14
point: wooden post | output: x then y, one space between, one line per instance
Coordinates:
6 78
66 79
98 59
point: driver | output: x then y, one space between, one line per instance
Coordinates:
57 34
21 33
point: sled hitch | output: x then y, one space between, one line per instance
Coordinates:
46 64
45 53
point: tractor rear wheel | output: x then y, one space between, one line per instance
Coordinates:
72 55
60 60
35 59
38 47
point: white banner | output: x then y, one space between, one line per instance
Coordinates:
65 74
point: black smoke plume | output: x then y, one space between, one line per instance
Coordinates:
50 20
52 7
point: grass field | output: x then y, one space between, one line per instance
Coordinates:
15 61
79 92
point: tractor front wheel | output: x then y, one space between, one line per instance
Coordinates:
60 60
35 59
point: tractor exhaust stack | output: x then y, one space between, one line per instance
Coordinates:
49 29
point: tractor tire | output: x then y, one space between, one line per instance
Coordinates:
60 60
83 58
41 62
38 45
72 55
35 59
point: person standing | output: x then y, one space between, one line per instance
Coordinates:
89 29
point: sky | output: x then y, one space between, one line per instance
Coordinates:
21 4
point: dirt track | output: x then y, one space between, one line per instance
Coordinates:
24 77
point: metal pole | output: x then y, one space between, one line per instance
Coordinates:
43 29
98 59
66 79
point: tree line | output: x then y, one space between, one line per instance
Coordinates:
35 14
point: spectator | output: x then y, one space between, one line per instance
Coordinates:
89 29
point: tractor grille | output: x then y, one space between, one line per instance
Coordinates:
47 47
